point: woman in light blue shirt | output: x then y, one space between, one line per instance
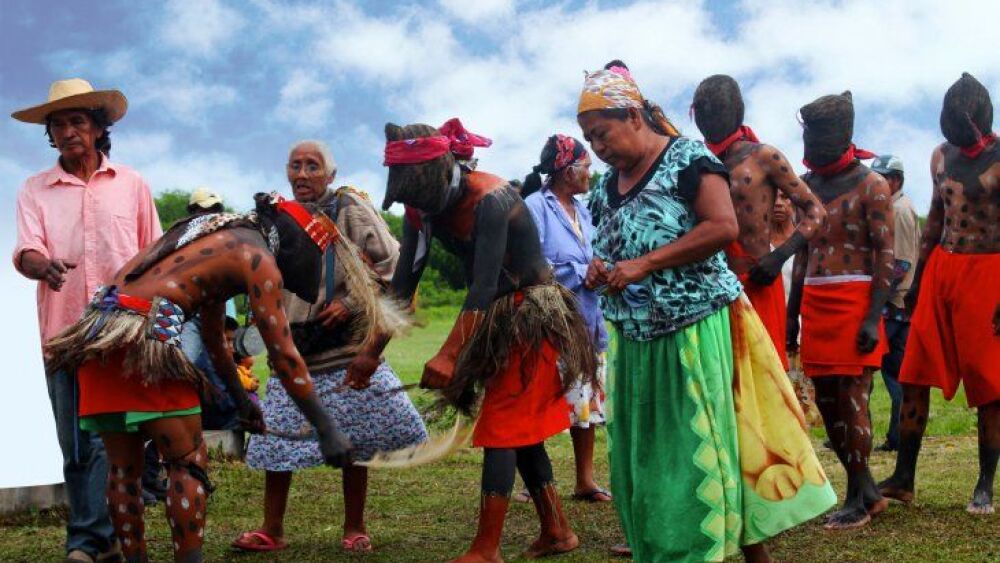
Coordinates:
565 230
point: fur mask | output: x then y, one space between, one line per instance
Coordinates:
967 112
425 186
718 107
299 259
828 126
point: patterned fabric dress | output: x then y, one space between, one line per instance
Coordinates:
373 420
707 445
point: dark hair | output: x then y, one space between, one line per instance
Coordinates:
231 323
895 174
99 117
547 164
614 63
194 208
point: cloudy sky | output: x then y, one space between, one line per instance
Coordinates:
218 89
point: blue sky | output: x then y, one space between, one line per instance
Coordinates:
219 89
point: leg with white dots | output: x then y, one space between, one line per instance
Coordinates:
125 461
186 458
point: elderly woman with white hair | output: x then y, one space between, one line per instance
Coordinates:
375 419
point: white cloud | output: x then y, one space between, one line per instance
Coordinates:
479 11
165 164
303 102
200 27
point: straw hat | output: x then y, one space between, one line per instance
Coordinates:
204 198
71 94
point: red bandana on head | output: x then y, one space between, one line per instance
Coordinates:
850 155
742 133
454 138
322 232
565 149
975 149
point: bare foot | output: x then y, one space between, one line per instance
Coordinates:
848 518
877 507
895 489
981 504
548 546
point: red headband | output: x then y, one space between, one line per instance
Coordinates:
841 163
322 233
743 132
454 138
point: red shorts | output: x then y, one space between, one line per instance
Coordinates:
521 409
768 301
104 389
951 333
832 314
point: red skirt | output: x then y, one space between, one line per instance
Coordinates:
951 333
832 314
521 409
768 301
104 389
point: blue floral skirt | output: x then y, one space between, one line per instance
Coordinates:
373 422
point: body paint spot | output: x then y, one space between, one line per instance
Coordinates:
255 262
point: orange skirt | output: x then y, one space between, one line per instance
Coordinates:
951 333
105 389
521 409
768 301
832 314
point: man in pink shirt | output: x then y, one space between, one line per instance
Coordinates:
77 224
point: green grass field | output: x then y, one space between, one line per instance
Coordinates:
428 513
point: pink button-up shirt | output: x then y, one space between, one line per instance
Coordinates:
98 225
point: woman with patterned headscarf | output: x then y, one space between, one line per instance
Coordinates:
565 231
708 449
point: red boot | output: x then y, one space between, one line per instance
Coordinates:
486 546
556 536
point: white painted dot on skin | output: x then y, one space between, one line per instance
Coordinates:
168 501
121 489
126 527
299 381
268 285
185 504
197 515
261 310
171 284
171 522
197 457
201 532
127 541
177 546
121 508
272 320
246 255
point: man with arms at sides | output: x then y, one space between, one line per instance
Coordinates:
841 284
956 324
77 223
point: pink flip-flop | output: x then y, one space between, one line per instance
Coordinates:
259 540
357 543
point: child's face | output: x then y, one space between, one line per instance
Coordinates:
230 339
247 361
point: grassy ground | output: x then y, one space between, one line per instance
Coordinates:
428 513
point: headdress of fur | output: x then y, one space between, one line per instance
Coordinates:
967 112
424 186
828 126
718 107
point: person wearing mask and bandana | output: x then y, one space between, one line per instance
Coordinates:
841 283
516 329
709 450
955 295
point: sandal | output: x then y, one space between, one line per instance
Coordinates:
621 550
260 541
356 543
594 495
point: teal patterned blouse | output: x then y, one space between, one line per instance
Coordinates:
657 212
